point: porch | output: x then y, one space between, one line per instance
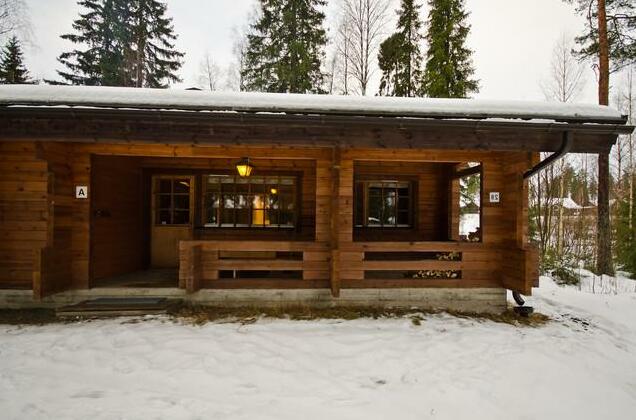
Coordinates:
307 220
347 197
296 224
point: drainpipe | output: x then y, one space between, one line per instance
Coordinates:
566 146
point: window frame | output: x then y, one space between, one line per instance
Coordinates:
412 185
295 199
156 180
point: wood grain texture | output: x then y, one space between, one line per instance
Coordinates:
48 233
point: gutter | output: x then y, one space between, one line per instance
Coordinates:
566 146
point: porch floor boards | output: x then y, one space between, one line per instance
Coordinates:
153 278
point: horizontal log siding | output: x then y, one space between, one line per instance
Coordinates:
304 169
27 226
431 195
500 229
24 212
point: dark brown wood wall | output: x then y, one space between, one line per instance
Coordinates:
36 215
57 258
431 199
117 231
24 202
303 168
24 212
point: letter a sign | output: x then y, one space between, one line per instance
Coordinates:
81 191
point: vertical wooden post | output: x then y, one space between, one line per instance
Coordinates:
37 273
453 204
334 241
604 241
193 267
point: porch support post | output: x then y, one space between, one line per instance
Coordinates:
190 266
604 243
334 268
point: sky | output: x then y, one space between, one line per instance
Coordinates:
512 39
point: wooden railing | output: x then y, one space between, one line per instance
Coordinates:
358 265
421 264
201 263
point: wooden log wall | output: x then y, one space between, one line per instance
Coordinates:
431 199
499 228
304 169
24 212
341 262
37 214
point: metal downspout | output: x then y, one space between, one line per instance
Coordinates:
566 146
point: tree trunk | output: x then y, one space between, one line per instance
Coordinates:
604 245
604 242
631 152
559 244
603 55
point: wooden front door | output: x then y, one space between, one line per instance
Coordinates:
172 216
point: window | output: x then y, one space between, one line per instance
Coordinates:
265 201
383 204
172 201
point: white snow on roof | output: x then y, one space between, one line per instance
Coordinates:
566 203
116 97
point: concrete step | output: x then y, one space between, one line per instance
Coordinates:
117 306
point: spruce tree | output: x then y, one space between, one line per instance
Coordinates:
400 57
449 69
123 43
151 59
625 235
390 64
12 68
99 61
285 47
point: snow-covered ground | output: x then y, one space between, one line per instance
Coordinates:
581 366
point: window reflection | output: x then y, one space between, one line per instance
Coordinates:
232 201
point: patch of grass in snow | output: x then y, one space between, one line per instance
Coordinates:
27 316
199 315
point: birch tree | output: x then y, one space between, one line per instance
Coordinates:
360 32
564 84
210 76
14 19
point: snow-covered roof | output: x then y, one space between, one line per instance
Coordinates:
174 99
566 203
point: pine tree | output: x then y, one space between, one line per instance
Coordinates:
400 56
12 68
125 43
449 69
621 31
285 47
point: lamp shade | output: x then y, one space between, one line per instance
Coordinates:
243 167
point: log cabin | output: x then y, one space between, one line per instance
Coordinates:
256 198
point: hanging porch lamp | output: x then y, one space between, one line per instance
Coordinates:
243 167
